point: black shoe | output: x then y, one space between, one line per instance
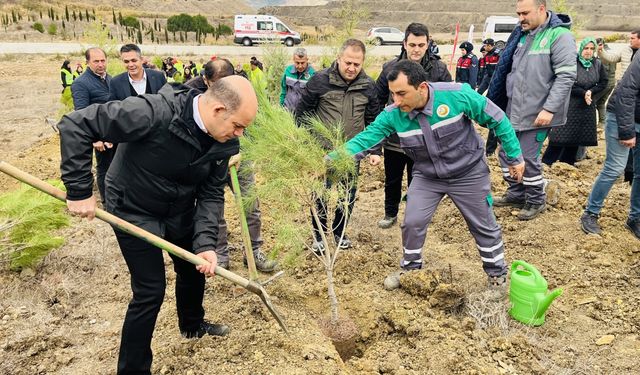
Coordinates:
263 264
589 223
634 227
531 211
208 329
344 243
318 247
507 201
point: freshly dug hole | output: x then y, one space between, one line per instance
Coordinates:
343 334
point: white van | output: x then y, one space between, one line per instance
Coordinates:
499 28
250 28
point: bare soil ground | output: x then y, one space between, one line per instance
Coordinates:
65 316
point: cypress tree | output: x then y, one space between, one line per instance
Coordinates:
139 36
75 18
166 36
80 15
115 20
40 13
14 16
66 13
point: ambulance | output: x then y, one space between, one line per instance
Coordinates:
250 29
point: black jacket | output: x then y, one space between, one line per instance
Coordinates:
334 101
120 88
625 100
436 72
165 176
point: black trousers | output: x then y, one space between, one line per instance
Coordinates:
341 216
103 161
492 143
146 265
560 153
394 166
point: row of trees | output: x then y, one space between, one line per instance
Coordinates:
127 28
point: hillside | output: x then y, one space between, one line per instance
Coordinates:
441 16
210 8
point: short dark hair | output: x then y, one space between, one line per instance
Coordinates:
636 31
131 47
415 72
214 70
223 92
87 53
417 29
353 43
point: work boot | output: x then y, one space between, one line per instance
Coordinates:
507 201
497 286
552 191
531 211
634 227
207 328
263 264
318 247
387 222
392 281
344 243
589 223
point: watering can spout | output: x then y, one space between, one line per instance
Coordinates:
545 302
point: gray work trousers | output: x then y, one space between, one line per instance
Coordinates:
246 180
471 193
531 189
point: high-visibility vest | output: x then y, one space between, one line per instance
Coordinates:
68 77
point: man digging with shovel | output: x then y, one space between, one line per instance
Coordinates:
167 177
433 123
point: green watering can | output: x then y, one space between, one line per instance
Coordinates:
528 294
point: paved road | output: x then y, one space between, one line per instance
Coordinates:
168 50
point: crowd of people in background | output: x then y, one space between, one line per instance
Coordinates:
539 89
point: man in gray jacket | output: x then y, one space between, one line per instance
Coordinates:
532 84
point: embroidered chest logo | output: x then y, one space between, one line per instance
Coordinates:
543 42
443 110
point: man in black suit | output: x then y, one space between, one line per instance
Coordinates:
136 80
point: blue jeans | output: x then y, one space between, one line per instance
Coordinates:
614 163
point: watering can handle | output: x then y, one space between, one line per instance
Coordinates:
534 271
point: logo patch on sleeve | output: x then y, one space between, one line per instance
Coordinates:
442 110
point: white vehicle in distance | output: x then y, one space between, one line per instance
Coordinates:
499 28
256 28
384 35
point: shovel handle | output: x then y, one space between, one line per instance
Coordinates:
246 238
126 226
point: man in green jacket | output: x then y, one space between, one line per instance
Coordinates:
295 78
433 122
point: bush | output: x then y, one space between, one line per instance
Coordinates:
38 27
614 37
131 21
52 29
